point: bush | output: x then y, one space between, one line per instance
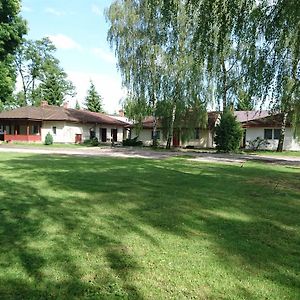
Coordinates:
48 139
228 133
94 142
132 142
257 143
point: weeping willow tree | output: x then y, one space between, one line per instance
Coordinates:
250 49
279 58
135 34
155 59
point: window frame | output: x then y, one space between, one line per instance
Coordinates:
270 131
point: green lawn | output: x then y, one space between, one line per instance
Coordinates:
41 145
104 228
274 153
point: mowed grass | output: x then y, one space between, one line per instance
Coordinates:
107 228
274 153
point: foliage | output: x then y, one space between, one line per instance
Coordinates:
132 142
136 109
228 133
77 105
94 141
41 75
55 88
93 101
7 82
12 29
257 143
226 223
155 60
48 139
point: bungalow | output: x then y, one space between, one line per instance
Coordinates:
256 124
67 125
202 136
268 128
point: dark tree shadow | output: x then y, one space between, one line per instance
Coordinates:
44 230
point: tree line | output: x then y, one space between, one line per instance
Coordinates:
35 64
177 57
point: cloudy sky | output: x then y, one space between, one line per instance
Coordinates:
78 29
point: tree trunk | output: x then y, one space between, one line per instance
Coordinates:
224 84
171 130
154 142
282 133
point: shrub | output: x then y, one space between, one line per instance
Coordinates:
94 142
257 143
228 133
132 142
48 139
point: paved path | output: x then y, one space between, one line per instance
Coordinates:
151 154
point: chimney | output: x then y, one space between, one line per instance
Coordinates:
121 113
44 103
66 104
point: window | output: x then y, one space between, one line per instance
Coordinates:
34 129
197 134
268 134
54 129
92 133
157 135
276 134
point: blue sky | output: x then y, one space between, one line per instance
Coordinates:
78 29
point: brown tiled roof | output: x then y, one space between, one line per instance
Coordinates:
147 123
58 113
269 121
247 115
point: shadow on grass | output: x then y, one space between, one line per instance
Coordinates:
68 225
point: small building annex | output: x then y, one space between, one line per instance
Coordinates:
67 125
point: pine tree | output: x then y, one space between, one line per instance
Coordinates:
77 105
228 133
93 100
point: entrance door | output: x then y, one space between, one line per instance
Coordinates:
114 135
103 134
176 140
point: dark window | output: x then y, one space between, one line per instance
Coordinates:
34 129
268 134
157 135
197 133
54 130
92 133
276 134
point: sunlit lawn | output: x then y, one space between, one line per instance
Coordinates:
274 153
104 228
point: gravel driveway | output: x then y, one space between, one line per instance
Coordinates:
151 154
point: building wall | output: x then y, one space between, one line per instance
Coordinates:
205 140
66 131
290 143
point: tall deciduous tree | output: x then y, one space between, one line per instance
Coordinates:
40 73
12 29
265 39
155 59
93 101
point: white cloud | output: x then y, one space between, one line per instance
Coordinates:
27 9
96 10
55 12
104 55
108 87
64 42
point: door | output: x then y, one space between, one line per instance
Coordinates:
114 135
103 134
176 140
